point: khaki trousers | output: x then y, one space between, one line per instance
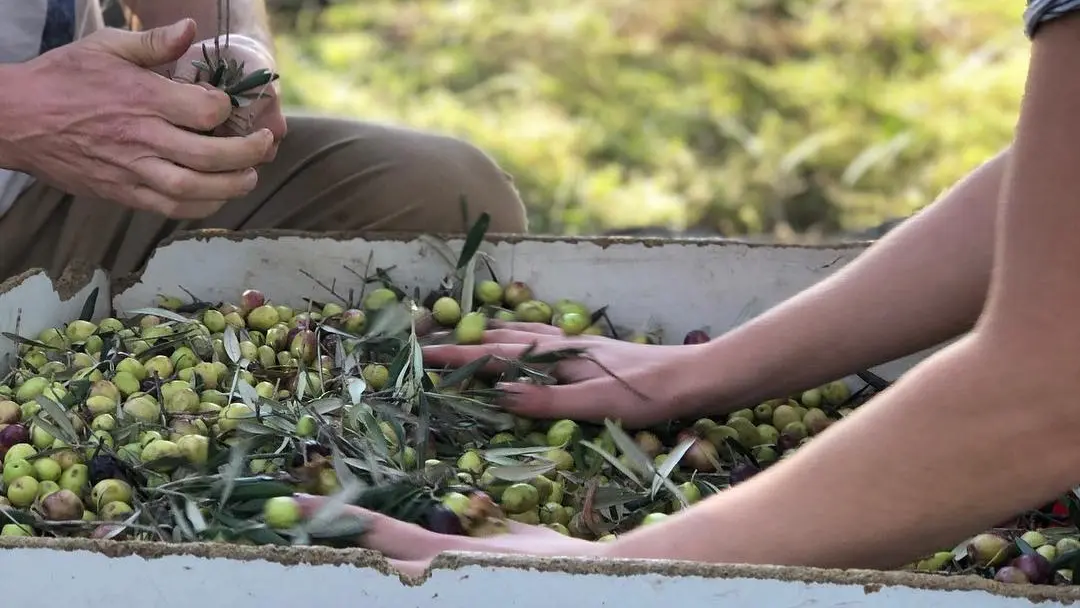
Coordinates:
329 174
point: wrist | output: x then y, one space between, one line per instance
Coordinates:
698 385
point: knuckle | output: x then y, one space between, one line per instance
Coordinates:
206 114
174 183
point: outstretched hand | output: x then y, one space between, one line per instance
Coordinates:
410 548
633 382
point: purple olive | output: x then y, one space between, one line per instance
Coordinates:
251 299
1011 576
304 346
741 472
696 336
1034 566
787 442
12 434
441 520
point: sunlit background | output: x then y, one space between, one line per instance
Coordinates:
786 117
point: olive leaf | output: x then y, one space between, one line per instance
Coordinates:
629 447
525 472
231 343
160 312
89 305
613 461
59 418
670 463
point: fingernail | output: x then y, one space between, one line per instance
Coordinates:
509 394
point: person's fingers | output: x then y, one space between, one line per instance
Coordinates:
590 400
207 153
391 537
454 355
193 106
533 328
148 48
148 199
183 184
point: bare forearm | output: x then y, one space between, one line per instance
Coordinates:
916 470
247 17
921 285
12 114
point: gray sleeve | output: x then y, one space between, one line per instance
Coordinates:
1039 12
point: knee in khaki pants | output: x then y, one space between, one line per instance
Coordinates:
329 174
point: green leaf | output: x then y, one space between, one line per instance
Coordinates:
465 372
669 465
232 471
255 428
326 406
525 472
59 418
1024 547
473 239
336 505
528 451
259 488
160 312
344 526
51 429
255 79
89 305
468 286
629 447
613 461
187 532
231 343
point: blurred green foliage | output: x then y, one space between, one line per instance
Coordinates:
740 115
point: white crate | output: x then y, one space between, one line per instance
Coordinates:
681 285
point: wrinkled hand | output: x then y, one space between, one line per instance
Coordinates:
97 121
263 113
641 389
410 548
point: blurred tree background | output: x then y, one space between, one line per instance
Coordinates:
741 116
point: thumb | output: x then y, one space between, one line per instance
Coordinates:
151 48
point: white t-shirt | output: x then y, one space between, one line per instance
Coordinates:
29 28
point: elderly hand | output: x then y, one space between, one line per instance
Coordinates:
263 113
